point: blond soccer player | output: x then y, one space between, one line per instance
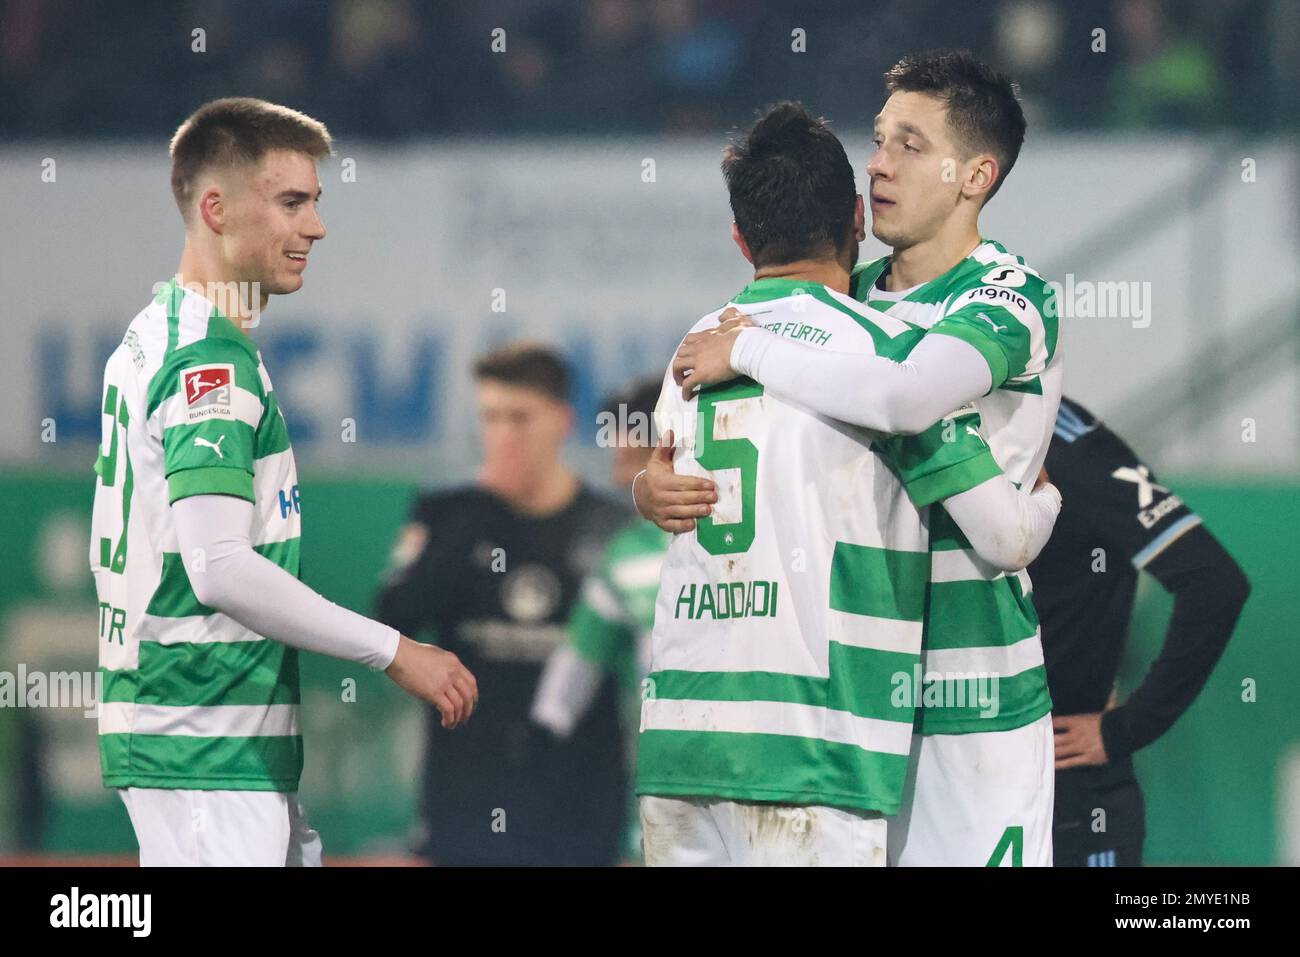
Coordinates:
197 515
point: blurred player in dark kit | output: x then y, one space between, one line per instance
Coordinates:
494 570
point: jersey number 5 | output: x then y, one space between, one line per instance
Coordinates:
716 454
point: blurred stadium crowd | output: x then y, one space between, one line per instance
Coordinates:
406 69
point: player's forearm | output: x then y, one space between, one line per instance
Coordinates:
941 374
566 690
1006 526
229 576
1209 592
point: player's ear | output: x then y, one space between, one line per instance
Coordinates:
859 220
212 208
743 246
981 174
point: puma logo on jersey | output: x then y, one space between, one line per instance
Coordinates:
200 440
996 327
975 432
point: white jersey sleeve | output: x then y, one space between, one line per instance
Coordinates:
212 532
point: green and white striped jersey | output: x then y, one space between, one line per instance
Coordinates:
192 699
785 622
982 631
610 625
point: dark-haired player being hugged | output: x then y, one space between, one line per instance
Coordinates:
494 570
1120 520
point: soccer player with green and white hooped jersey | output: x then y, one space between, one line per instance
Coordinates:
983 653
196 521
946 138
981 621
189 410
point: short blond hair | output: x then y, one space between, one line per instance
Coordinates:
236 131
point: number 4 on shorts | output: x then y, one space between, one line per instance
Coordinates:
1013 837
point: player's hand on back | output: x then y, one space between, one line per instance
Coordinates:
671 501
704 358
436 676
732 320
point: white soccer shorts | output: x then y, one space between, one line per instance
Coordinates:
703 832
978 800
187 828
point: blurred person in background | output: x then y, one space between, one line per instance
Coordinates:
1168 78
494 570
609 631
24 801
1120 520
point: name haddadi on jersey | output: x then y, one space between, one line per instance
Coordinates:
192 699
784 622
981 630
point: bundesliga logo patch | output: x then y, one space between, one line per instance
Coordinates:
208 391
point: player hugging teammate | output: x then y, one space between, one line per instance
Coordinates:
769 740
